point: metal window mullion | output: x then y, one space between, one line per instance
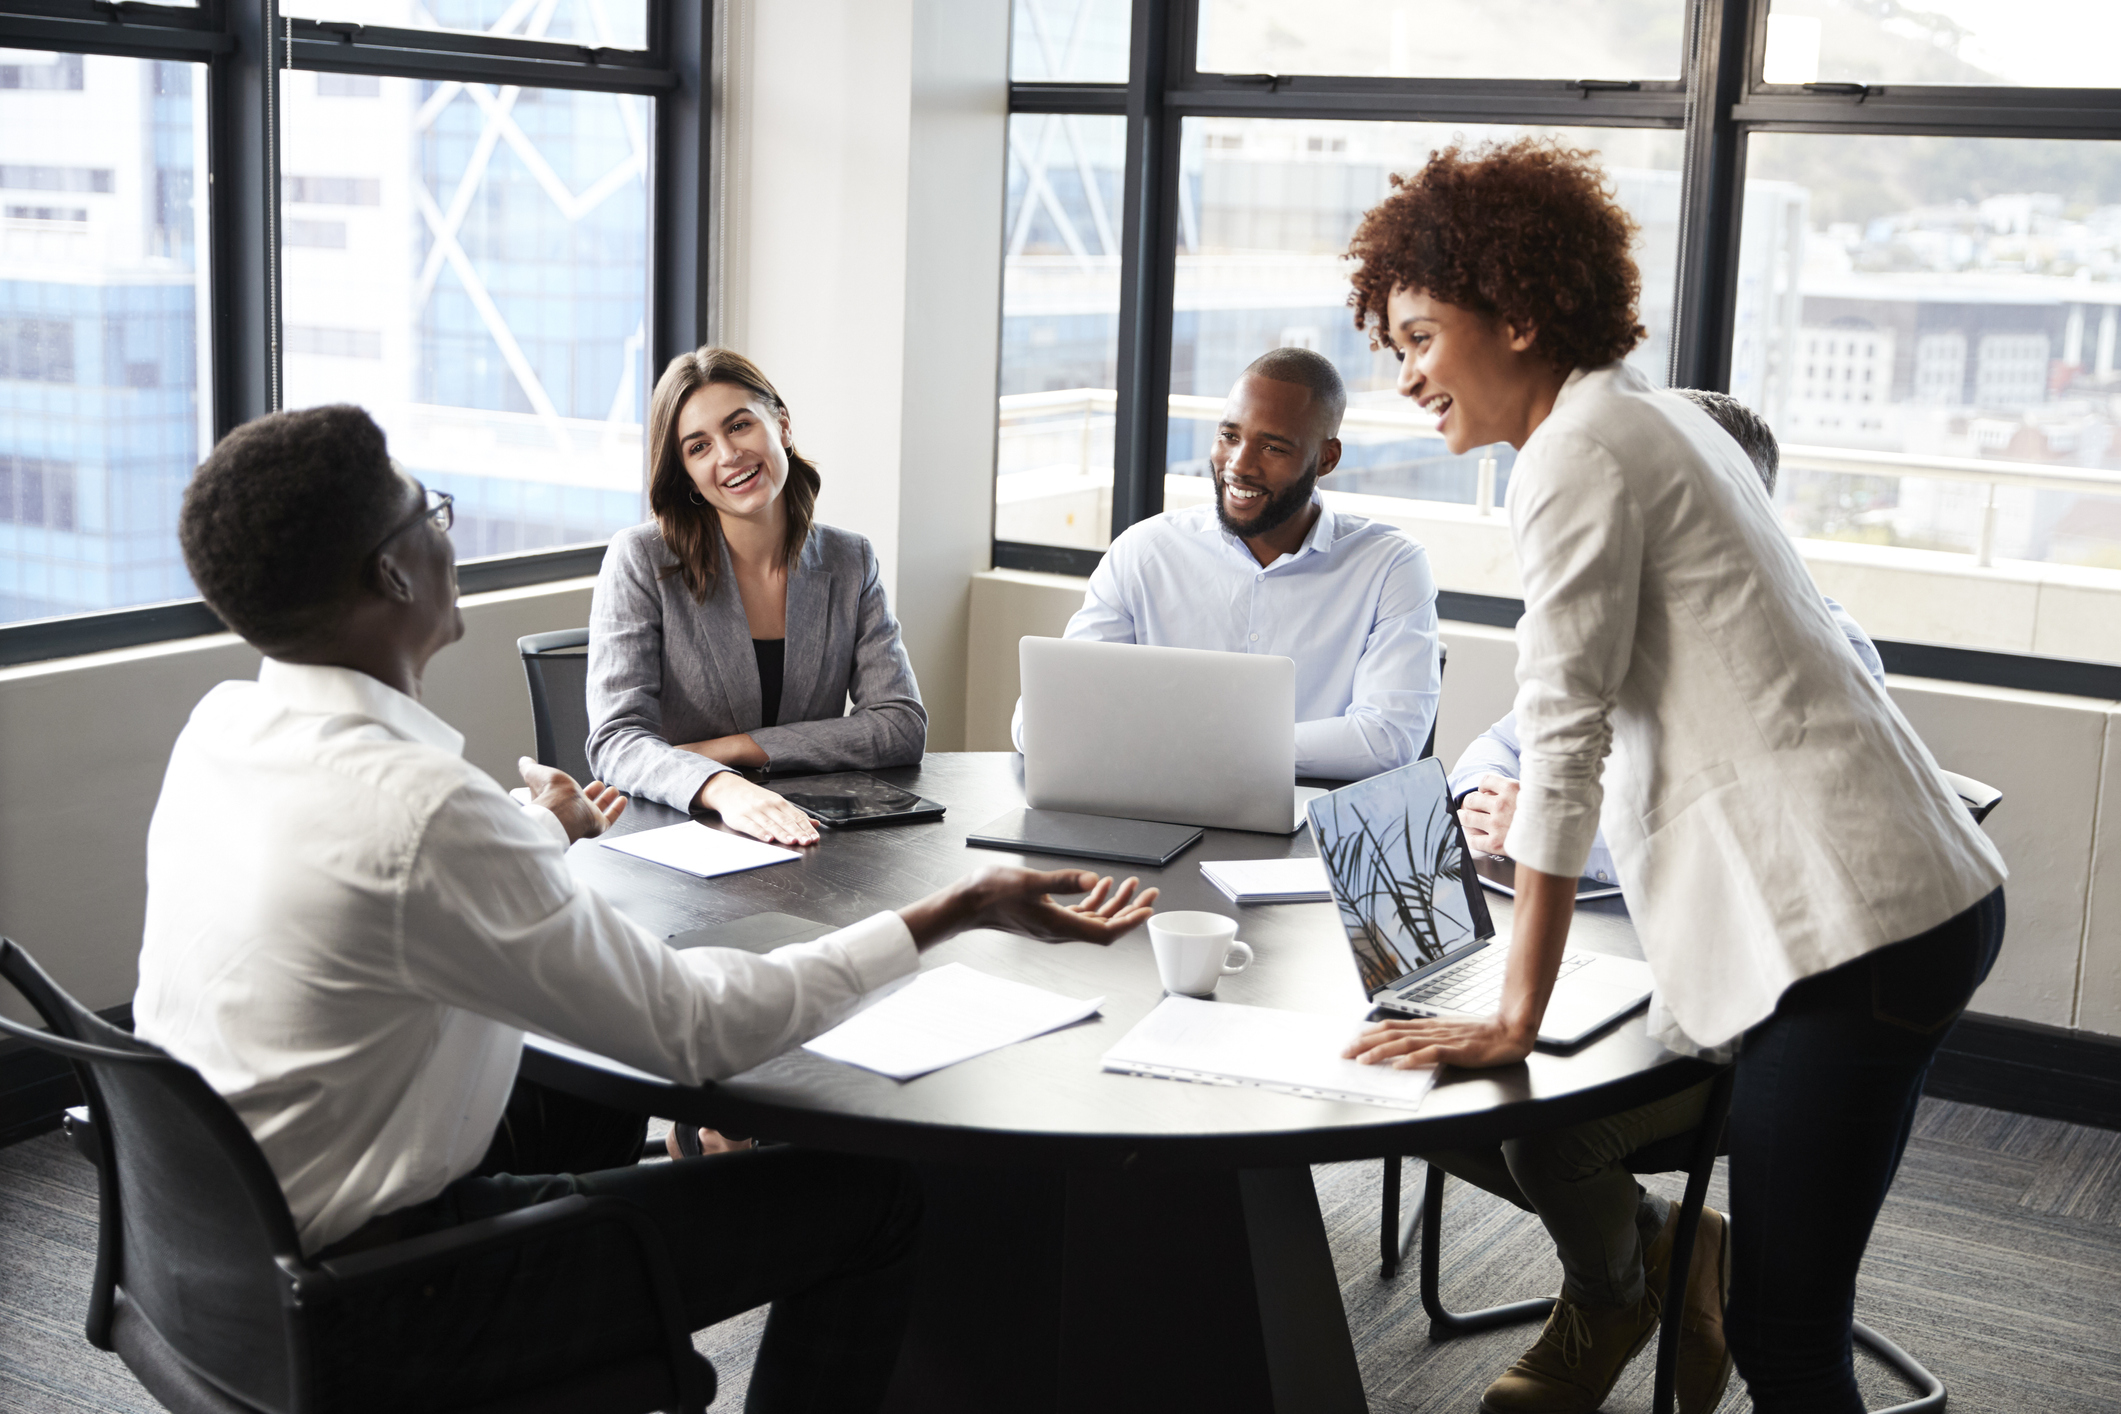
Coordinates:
1425 106
243 194
122 40
1148 267
681 194
1712 196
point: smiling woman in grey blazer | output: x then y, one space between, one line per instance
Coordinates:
732 631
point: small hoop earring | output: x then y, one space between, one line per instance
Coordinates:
695 497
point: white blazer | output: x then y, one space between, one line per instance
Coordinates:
1771 813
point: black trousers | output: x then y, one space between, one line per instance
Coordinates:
1825 1096
828 1239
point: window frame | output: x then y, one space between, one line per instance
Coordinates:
1724 46
245 45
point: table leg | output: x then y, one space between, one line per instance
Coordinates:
1126 1291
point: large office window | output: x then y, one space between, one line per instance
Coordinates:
1885 227
102 347
478 219
470 263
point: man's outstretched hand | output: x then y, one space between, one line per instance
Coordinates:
1020 901
582 812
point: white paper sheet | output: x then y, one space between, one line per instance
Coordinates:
1298 1053
1269 880
945 1016
695 849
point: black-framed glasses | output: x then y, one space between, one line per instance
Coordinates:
440 508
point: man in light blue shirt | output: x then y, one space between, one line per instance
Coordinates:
1269 568
1484 782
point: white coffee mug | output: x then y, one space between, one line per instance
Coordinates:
1193 951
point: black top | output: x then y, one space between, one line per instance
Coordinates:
771 653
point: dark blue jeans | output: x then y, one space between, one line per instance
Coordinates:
1824 1099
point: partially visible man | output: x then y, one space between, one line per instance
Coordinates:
1485 780
1269 568
350 929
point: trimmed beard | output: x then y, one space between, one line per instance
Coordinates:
1281 508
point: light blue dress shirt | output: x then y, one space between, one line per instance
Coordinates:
1354 606
1496 748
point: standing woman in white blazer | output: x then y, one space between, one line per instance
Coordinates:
1807 889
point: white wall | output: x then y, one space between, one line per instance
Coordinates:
865 150
83 744
2056 759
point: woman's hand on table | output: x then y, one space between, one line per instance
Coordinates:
1413 1043
1020 901
756 811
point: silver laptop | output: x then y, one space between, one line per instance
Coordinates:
1175 734
1418 923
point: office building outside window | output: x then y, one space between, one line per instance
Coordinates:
470 263
102 348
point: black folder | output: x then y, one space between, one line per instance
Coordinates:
1148 843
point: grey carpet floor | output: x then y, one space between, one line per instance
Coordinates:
1997 1262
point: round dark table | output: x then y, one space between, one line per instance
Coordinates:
1095 1240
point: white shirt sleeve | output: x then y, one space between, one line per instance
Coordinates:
1493 751
493 921
1579 543
1398 682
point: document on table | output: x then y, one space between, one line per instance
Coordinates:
1269 880
1295 1052
693 848
950 1014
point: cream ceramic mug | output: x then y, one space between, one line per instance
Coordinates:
1194 951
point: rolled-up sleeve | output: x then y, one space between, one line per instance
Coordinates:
1397 683
886 724
1579 542
495 922
626 742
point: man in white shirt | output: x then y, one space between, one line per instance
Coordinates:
350 928
1269 568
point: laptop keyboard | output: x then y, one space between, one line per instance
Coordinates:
1475 985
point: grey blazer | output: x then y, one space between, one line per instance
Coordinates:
665 668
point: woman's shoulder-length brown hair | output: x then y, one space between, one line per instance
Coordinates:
691 528
1526 231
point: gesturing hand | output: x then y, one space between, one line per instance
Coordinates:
582 812
1019 901
1487 814
756 811
1409 1044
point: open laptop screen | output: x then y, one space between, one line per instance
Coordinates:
1397 862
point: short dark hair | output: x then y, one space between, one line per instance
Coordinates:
1526 231
1747 428
1310 369
278 521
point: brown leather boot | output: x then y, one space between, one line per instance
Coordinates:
1575 1362
1704 1357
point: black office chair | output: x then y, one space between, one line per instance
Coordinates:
202 1289
1681 1152
557 665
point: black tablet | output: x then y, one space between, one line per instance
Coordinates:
850 799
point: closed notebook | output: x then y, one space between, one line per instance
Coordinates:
1269 880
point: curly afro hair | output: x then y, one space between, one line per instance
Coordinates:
279 519
1526 231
